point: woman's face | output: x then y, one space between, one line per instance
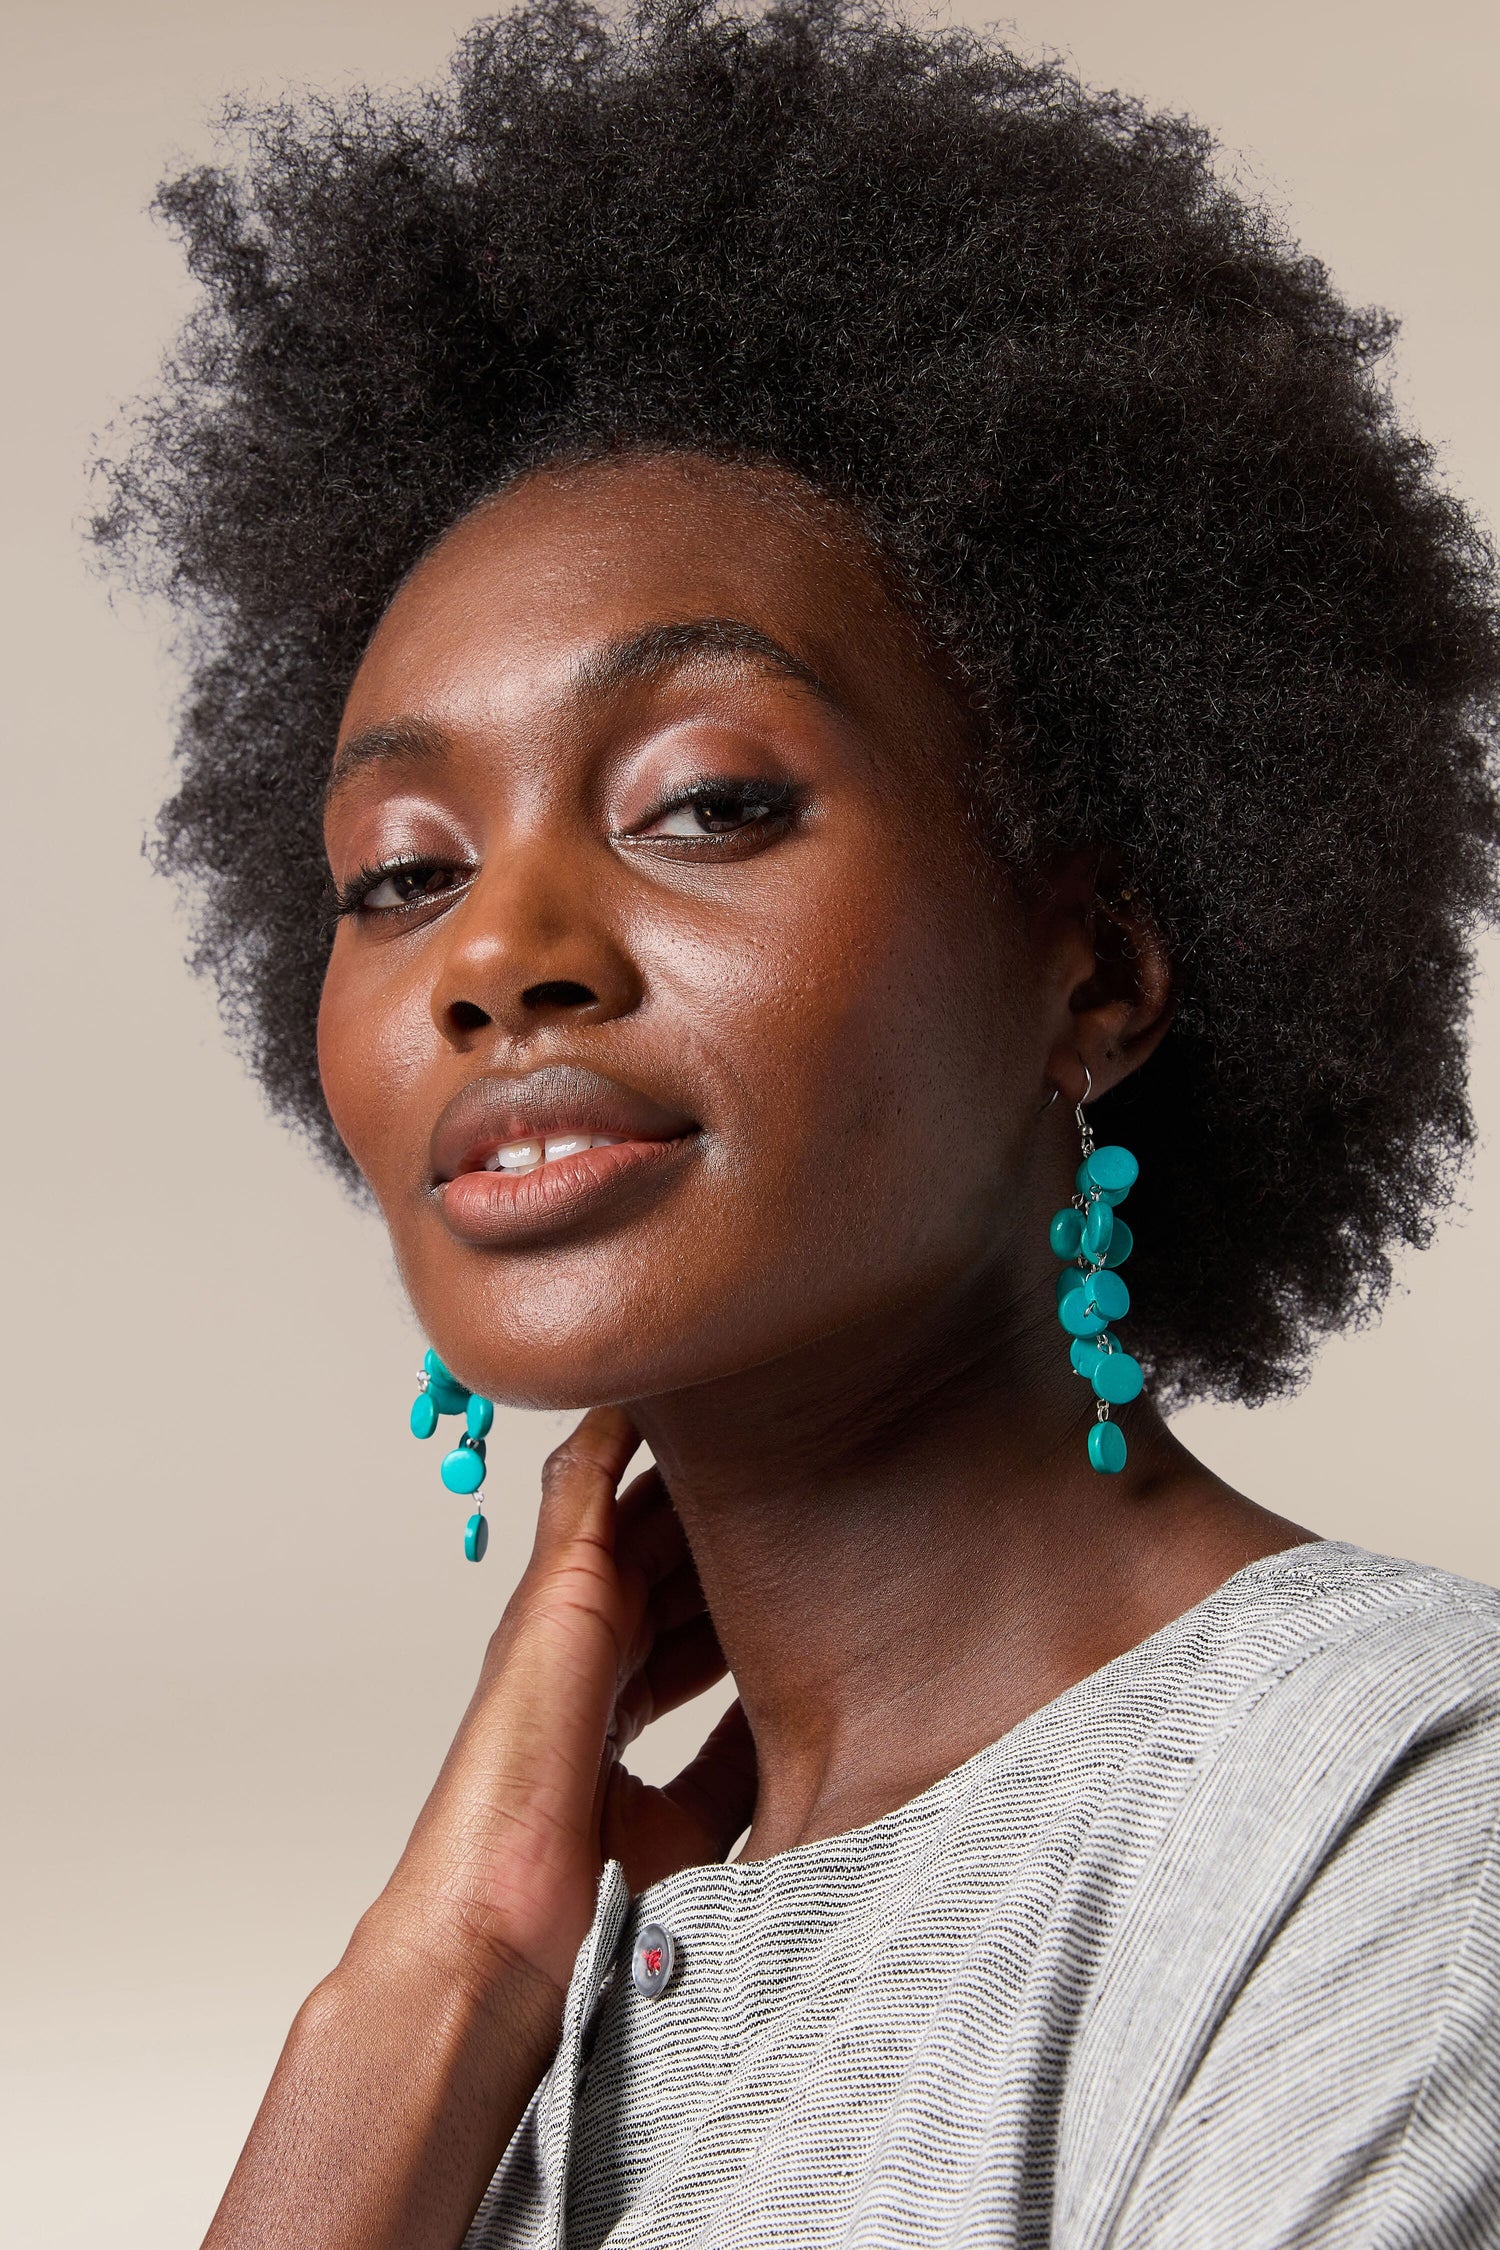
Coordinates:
676 1019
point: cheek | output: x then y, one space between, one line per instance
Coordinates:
873 1061
375 1041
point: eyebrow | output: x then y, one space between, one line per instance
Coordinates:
652 653
659 649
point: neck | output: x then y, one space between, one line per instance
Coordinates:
905 1551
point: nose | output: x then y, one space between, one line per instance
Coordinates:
529 948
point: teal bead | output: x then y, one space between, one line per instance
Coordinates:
480 1416
1071 1278
476 1537
1107 1448
1066 1232
448 1398
424 1415
437 1371
1079 1317
463 1469
1106 1293
1117 1378
1114 1170
1087 1185
1098 1231
1085 1354
1121 1243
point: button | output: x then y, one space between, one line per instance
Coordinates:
652 1962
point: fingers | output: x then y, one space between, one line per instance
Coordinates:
580 1479
656 1575
717 1791
681 1665
667 1649
677 1600
654 1832
649 1537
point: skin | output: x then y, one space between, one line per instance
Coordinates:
824 1299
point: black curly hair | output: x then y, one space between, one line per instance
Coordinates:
1123 444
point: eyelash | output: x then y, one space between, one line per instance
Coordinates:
773 800
351 895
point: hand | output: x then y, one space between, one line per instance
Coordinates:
606 1631
409 2067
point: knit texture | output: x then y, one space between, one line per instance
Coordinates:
1205 1952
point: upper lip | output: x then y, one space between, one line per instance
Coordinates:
490 1112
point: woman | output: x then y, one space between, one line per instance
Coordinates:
868 661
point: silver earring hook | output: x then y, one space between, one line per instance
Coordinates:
1085 1130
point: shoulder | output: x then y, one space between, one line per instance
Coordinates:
1334 1857
1336 1862
1351 1668
1335 1621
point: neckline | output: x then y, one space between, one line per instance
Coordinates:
956 1783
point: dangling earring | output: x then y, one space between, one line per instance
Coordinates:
463 1470
1090 1293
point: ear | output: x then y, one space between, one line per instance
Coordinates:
1114 984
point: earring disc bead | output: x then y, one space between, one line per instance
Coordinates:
463 1469
1106 1293
1098 1230
1085 1353
1066 1232
1121 1243
1079 1317
1107 1448
424 1414
1114 1169
1117 1378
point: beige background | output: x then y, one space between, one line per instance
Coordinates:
238 1626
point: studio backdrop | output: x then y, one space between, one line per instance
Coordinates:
239 1628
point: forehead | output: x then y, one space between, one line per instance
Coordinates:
568 561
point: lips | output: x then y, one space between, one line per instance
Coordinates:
514 1157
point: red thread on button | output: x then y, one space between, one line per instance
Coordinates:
652 1959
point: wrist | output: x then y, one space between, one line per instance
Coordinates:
403 2078
419 1954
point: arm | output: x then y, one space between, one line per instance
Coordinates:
408 2069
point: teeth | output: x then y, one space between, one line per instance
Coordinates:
566 1144
527 1156
517 1156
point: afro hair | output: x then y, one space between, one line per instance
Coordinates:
1128 452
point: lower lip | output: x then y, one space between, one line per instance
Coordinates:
491 1207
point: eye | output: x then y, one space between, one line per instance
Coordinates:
718 811
411 882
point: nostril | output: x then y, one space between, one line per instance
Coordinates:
561 992
464 1016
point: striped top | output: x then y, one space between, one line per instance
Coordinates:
1205 1953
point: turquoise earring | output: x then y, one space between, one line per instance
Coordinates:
1093 1241
463 1470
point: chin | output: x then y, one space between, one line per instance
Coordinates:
543 1352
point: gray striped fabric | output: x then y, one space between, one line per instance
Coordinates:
1205 1955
